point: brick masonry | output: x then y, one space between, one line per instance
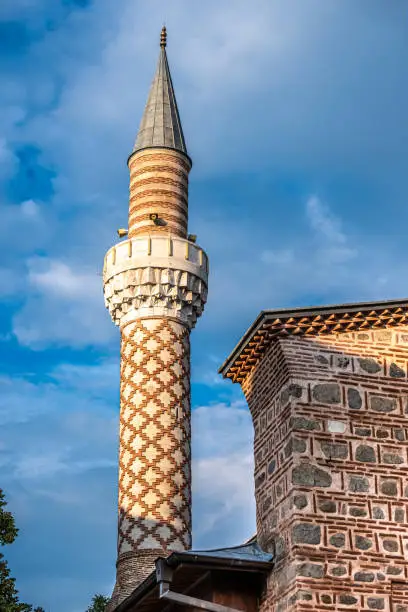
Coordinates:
158 184
154 455
331 469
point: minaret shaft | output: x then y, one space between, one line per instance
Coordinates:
154 456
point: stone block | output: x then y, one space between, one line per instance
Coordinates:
295 445
336 426
399 515
376 603
310 570
354 398
390 545
392 458
306 533
334 450
383 404
339 570
342 362
365 454
347 600
396 372
310 475
378 513
327 505
356 511
327 393
300 501
362 431
271 466
364 577
291 390
392 570
304 423
389 487
358 484
338 540
260 479
370 366
363 543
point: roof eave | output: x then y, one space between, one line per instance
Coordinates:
178 559
302 311
207 561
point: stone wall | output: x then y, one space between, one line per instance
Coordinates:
331 469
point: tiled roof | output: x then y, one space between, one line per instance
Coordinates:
189 567
246 552
311 321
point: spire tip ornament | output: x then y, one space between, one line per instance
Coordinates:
163 37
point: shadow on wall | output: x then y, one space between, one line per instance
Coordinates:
140 542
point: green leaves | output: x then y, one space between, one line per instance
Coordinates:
9 601
99 603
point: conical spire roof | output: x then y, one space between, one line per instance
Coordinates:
161 125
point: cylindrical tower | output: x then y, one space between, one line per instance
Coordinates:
155 287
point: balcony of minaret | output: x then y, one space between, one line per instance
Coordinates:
154 276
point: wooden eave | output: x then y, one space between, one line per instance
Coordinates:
340 318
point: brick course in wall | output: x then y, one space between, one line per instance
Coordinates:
330 416
158 184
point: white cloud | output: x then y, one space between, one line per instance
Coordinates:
221 429
223 504
58 278
30 209
95 379
283 257
323 221
334 247
223 496
56 434
64 307
8 160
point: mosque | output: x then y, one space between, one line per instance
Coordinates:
327 389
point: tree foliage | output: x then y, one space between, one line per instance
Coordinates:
9 601
99 603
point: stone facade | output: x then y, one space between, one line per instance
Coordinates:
330 414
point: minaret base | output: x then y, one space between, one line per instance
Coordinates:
131 570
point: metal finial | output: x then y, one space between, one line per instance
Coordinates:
163 37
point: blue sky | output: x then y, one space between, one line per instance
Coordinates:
296 116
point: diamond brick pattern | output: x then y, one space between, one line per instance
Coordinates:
154 457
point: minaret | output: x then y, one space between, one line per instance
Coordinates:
155 287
